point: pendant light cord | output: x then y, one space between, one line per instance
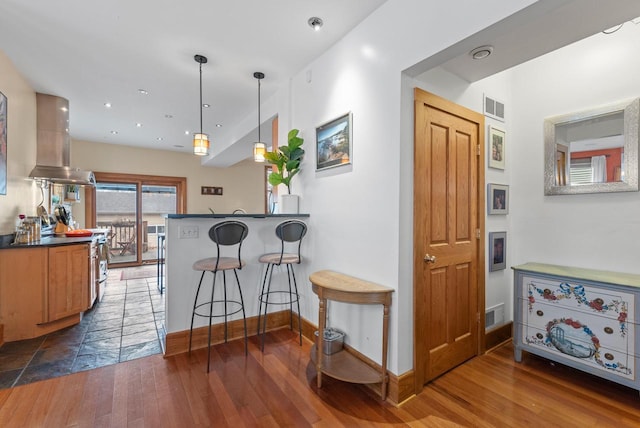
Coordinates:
201 98
259 140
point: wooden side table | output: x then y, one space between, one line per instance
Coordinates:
330 285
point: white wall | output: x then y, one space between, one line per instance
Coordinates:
598 231
22 194
359 213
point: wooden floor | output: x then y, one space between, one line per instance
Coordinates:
278 389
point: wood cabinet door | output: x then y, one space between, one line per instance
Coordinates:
23 278
68 280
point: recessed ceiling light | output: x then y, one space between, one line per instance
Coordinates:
206 105
107 105
178 145
114 132
187 132
143 92
315 23
218 125
481 52
138 125
168 116
159 138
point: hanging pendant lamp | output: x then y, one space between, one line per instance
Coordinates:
201 140
259 148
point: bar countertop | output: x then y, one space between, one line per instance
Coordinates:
243 215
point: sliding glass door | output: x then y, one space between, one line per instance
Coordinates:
133 209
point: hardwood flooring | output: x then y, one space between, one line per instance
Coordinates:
277 388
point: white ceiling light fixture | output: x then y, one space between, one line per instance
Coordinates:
315 23
481 52
201 140
259 148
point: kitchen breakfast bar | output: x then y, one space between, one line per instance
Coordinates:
187 240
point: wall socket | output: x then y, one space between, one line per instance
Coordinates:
188 232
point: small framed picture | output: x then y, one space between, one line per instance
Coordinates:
497 143
498 198
497 251
333 143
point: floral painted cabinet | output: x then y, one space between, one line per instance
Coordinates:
579 317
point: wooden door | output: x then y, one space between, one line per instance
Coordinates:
448 235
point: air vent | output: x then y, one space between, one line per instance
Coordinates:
493 108
494 316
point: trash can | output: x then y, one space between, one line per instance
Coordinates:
333 340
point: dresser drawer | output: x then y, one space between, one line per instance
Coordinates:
574 296
608 332
573 343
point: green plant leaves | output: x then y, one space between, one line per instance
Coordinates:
287 159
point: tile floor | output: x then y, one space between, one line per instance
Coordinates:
126 324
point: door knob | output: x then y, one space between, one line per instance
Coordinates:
429 258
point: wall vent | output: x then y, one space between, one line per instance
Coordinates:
493 108
494 316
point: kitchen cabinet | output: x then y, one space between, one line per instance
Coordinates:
68 285
43 288
23 278
94 274
583 318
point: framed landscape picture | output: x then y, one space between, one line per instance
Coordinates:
498 198
333 143
497 143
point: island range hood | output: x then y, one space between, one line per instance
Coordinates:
53 144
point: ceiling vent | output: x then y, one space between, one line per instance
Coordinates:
494 108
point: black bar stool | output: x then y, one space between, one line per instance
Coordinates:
290 233
226 233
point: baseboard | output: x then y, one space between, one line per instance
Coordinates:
399 388
497 336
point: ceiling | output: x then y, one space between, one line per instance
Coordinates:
94 53
97 52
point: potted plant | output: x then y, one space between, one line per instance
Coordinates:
72 192
287 160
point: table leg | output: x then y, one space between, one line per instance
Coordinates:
320 344
385 342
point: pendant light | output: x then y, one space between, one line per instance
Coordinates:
259 148
201 140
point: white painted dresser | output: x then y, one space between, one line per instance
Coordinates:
584 318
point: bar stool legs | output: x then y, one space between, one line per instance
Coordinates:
211 314
266 291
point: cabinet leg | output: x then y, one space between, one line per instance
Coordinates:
517 354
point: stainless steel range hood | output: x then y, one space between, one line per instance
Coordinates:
53 144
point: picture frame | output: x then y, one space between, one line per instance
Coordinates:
497 199
3 144
497 147
334 143
497 251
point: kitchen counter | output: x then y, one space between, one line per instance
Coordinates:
50 241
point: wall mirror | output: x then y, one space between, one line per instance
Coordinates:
592 151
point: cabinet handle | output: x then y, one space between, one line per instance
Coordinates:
429 258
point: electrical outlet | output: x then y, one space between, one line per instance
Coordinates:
188 232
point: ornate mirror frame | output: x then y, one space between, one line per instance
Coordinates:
551 148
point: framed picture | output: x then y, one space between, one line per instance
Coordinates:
497 251
497 144
3 144
498 198
333 143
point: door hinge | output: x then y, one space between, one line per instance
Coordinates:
477 233
478 150
478 316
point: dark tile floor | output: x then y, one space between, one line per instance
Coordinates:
126 324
